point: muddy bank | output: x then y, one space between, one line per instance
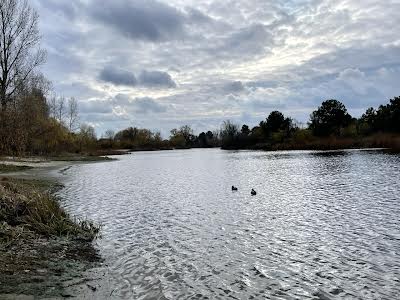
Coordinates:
48 267
44 252
43 167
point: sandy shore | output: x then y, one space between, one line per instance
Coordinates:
42 168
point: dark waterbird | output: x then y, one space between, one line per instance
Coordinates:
253 192
234 188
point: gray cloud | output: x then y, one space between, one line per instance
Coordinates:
253 39
234 87
150 79
117 76
68 9
198 17
143 19
231 61
121 105
148 105
95 107
156 79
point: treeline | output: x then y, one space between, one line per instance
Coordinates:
144 139
33 124
30 121
330 127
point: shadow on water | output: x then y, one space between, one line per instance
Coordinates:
333 153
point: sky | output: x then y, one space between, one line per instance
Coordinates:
163 64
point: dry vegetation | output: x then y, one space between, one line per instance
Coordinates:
42 248
25 207
6 168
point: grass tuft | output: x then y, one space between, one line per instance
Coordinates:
24 205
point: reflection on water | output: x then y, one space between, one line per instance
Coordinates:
321 226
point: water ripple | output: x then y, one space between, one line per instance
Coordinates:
322 226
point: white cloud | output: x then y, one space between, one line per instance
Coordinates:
232 59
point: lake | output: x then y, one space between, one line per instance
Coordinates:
323 225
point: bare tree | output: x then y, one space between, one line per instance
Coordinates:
72 115
52 103
19 46
109 135
87 137
60 110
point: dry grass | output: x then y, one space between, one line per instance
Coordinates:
5 168
27 206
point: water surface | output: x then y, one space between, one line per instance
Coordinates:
322 226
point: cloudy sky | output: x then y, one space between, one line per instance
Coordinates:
161 64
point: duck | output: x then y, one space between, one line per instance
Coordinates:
253 192
234 188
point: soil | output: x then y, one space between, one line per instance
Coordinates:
55 267
35 267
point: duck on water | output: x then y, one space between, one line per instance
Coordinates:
253 192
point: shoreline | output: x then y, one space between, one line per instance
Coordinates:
36 267
39 167
33 264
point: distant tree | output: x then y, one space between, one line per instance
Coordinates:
202 140
206 140
209 135
109 134
182 137
88 132
109 139
157 137
176 139
329 118
275 122
369 116
59 109
215 138
187 133
127 136
395 114
87 137
52 104
19 51
229 134
388 116
245 130
72 115
367 122
257 134
138 138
